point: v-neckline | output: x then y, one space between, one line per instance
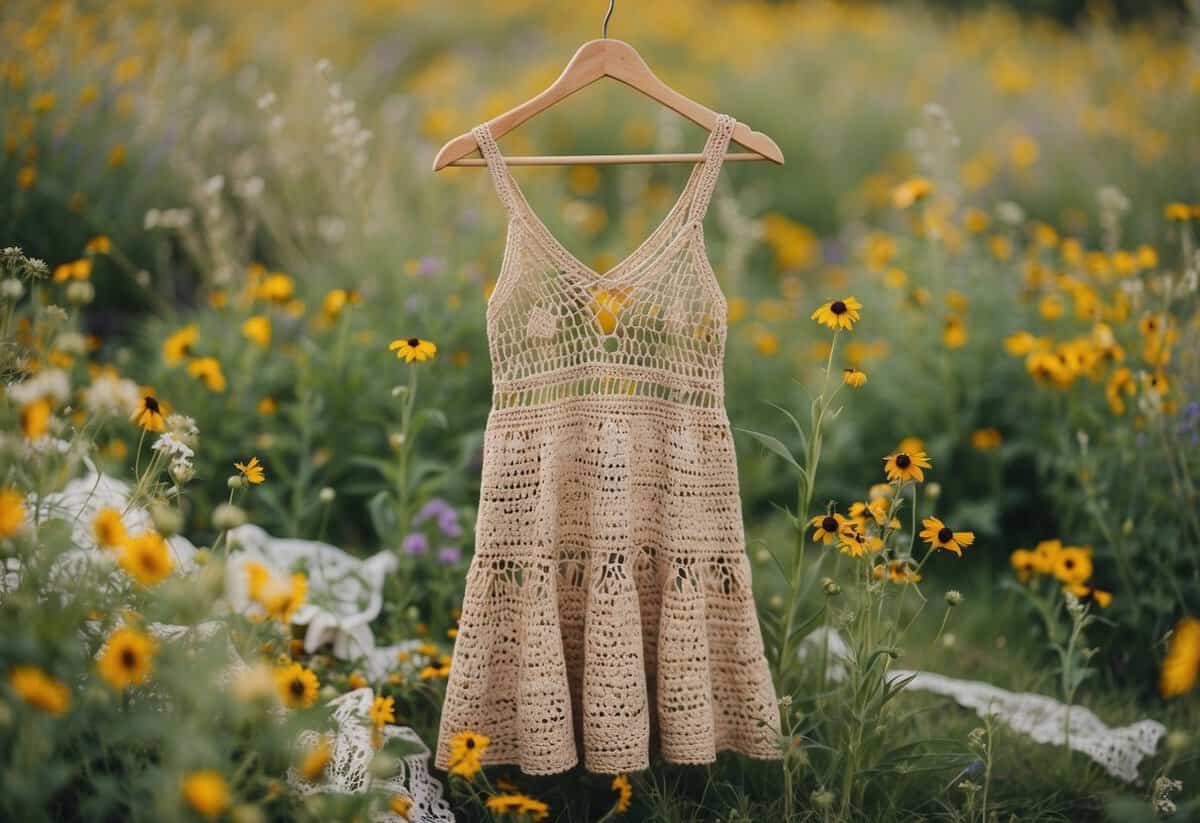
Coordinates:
569 257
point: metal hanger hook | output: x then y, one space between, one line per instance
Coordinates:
607 16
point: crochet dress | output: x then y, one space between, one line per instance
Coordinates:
609 595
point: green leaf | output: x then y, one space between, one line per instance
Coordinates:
796 424
776 446
383 514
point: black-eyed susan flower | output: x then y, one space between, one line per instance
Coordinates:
523 805
297 686
857 544
12 512
827 527
1181 666
127 658
838 314
620 785
1177 211
315 759
206 792
276 287
438 669
108 528
146 558
383 711
281 600
954 333
911 192
854 378
253 471
149 414
178 347
413 348
1022 561
1045 555
1073 564
466 749
897 571
40 690
901 466
1090 594
940 536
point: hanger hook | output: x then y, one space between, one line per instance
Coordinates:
607 16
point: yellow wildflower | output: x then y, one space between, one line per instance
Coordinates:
413 348
206 792
40 690
127 658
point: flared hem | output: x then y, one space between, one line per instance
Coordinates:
487 763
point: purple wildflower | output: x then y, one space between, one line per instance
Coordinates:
415 543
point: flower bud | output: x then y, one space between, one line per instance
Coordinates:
11 290
234 481
822 799
383 765
327 495
81 292
167 521
953 597
228 516
830 587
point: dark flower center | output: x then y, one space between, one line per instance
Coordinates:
297 687
1069 563
944 535
129 659
151 405
470 742
829 524
903 460
413 342
837 307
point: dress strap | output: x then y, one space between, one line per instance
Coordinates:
714 157
496 165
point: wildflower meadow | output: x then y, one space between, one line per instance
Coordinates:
246 378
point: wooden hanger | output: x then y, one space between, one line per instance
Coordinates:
619 60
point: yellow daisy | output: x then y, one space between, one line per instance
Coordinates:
149 414
901 466
178 346
383 711
40 690
313 764
854 378
838 314
413 348
297 685
466 748
1073 564
206 792
12 512
939 536
109 528
827 527
252 471
127 658
147 558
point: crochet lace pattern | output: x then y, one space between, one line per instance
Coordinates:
609 596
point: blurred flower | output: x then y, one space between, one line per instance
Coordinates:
1022 561
252 471
838 314
854 378
415 543
401 805
939 536
178 346
518 804
620 785
606 307
77 270
954 333
1181 666
911 192
985 440
12 512
148 414
40 690
108 528
297 686
444 513
111 394
382 711
257 329
449 555
127 658
466 749
276 287
413 348
208 371
206 792
901 466
146 558
313 764
1073 564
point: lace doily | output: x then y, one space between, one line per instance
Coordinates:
1118 750
78 503
348 770
344 593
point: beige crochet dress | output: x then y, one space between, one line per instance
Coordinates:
609 595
